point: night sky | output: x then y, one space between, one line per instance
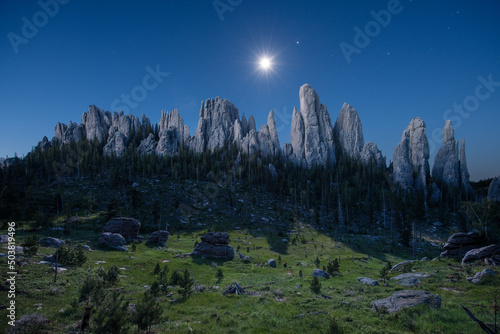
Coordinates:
392 60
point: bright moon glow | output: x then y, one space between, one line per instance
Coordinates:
265 63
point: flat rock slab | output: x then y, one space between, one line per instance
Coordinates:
481 253
406 298
410 275
409 279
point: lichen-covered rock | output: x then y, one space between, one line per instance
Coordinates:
215 245
127 227
406 298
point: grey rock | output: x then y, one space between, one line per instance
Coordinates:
401 264
51 242
481 253
368 281
215 123
44 144
311 134
148 145
87 248
4 238
97 123
113 241
409 279
320 273
412 275
215 245
480 275
348 132
117 143
171 133
127 227
464 171
272 171
406 298
446 168
371 153
411 157
494 190
460 243
271 263
157 239
436 193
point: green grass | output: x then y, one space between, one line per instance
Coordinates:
261 313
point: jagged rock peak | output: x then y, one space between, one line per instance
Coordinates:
448 132
446 167
171 134
217 117
371 153
464 171
348 132
311 134
411 157
97 123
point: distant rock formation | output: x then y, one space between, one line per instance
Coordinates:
265 141
311 134
97 123
215 245
411 157
494 190
173 133
217 117
122 129
449 166
348 132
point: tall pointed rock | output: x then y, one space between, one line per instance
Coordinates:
348 132
446 168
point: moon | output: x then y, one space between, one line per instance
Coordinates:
265 63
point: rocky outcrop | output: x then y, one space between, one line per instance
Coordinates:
481 253
311 134
113 241
411 157
348 132
122 129
172 133
127 227
216 120
409 279
460 243
64 134
464 171
446 163
494 190
371 153
264 142
215 245
157 239
44 144
51 242
406 298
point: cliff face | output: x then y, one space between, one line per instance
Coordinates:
348 132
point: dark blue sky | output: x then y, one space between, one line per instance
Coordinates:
421 61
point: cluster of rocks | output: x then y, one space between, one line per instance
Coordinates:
51 242
157 239
127 227
215 245
406 298
460 243
114 241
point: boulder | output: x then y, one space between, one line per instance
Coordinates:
127 227
406 298
369 281
479 276
320 273
481 253
157 239
401 264
460 243
113 241
4 238
51 242
409 279
271 263
215 245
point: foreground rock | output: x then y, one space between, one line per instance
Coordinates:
51 242
215 245
481 253
460 243
368 281
320 273
271 263
406 298
409 279
127 227
480 275
113 241
157 239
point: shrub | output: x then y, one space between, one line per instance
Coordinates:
30 323
315 285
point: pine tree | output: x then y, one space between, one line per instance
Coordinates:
112 316
315 285
148 312
186 284
384 272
